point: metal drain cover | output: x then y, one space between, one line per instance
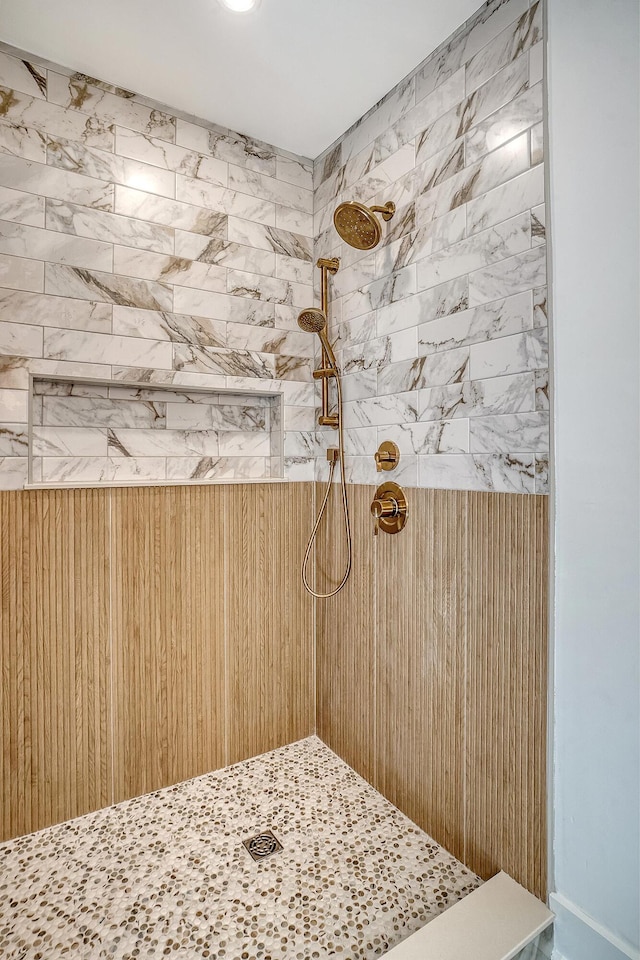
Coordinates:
263 845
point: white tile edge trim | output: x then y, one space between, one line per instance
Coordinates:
494 922
576 928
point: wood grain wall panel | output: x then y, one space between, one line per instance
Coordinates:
270 617
167 568
420 616
345 652
505 815
54 695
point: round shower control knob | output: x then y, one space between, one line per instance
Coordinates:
389 508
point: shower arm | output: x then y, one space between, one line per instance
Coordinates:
326 266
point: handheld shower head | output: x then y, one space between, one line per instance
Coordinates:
358 225
314 320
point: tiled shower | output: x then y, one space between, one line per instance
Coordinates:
158 417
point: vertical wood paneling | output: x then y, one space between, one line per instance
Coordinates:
420 614
345 653
505 815
270 641
168 635
54 694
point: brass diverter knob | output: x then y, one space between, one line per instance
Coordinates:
387 456
389 508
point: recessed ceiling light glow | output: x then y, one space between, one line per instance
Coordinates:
240 6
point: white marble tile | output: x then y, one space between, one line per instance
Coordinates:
234 363
76 345
91 285
538 225
439 234
167 269
76 469
163 325
506 123
499 318
446 436
170 157
290 268
296 171
124 442
542 389
269 238
537 144
21 207
37 308
540 313
450 366
14 406
440 301
69 442
380 411
515 354
478 398
94 412
495 472
19 274
20 339
224 253
512 42
224 200
235 309
21 240
256 287
48 181
522 272
513 197
227 145
77 93
30 113
14 440
13 472
267 340
536 63
170 213
396 287
22 141
67 155
512 433
24 76
81 221
294 220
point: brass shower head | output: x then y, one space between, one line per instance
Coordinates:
358 225
312 320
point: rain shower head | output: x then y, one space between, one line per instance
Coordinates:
358 225
314 320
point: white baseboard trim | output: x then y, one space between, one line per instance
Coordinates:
577 936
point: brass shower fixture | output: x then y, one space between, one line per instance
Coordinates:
358 225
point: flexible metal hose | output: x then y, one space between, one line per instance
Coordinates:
345 508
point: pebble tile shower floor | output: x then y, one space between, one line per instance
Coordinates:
167 874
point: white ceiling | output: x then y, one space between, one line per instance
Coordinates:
295 73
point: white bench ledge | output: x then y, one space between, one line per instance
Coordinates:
494 922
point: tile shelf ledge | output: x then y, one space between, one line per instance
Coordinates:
95 485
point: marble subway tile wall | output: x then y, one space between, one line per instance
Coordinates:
138 247
442 329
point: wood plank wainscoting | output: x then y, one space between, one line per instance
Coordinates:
432 670
151 634
144 639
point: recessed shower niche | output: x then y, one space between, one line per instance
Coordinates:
93 432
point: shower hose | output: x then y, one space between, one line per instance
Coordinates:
345 509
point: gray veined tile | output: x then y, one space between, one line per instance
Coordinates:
489 246
382 116
294 220
270 238
37 308
513 433
170 213
204 303
125 442
432 106
451 366
292 367
20 339
14 406
510 120
170 157
77 77
244 444
126 469
500 318
500 473
92 162
76 469
13 472
78 93
267 340
515 40
61 441
215 250
440 301
446 436
95 412
72 218
348 279
23 76
510 198
392 289
538 225
478 398
14 372
326 165
542 389
298 172
21 207
149 375
235 363
290 268
91 285
224 200
380 176
14 440
158 325
540 317
28 112
249 182
22 141
522 272
422 243
440 166
76 345
220 416
47 181
241 284
19 274
382 411
168 269
227 145
18 239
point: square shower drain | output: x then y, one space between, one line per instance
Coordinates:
263 845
